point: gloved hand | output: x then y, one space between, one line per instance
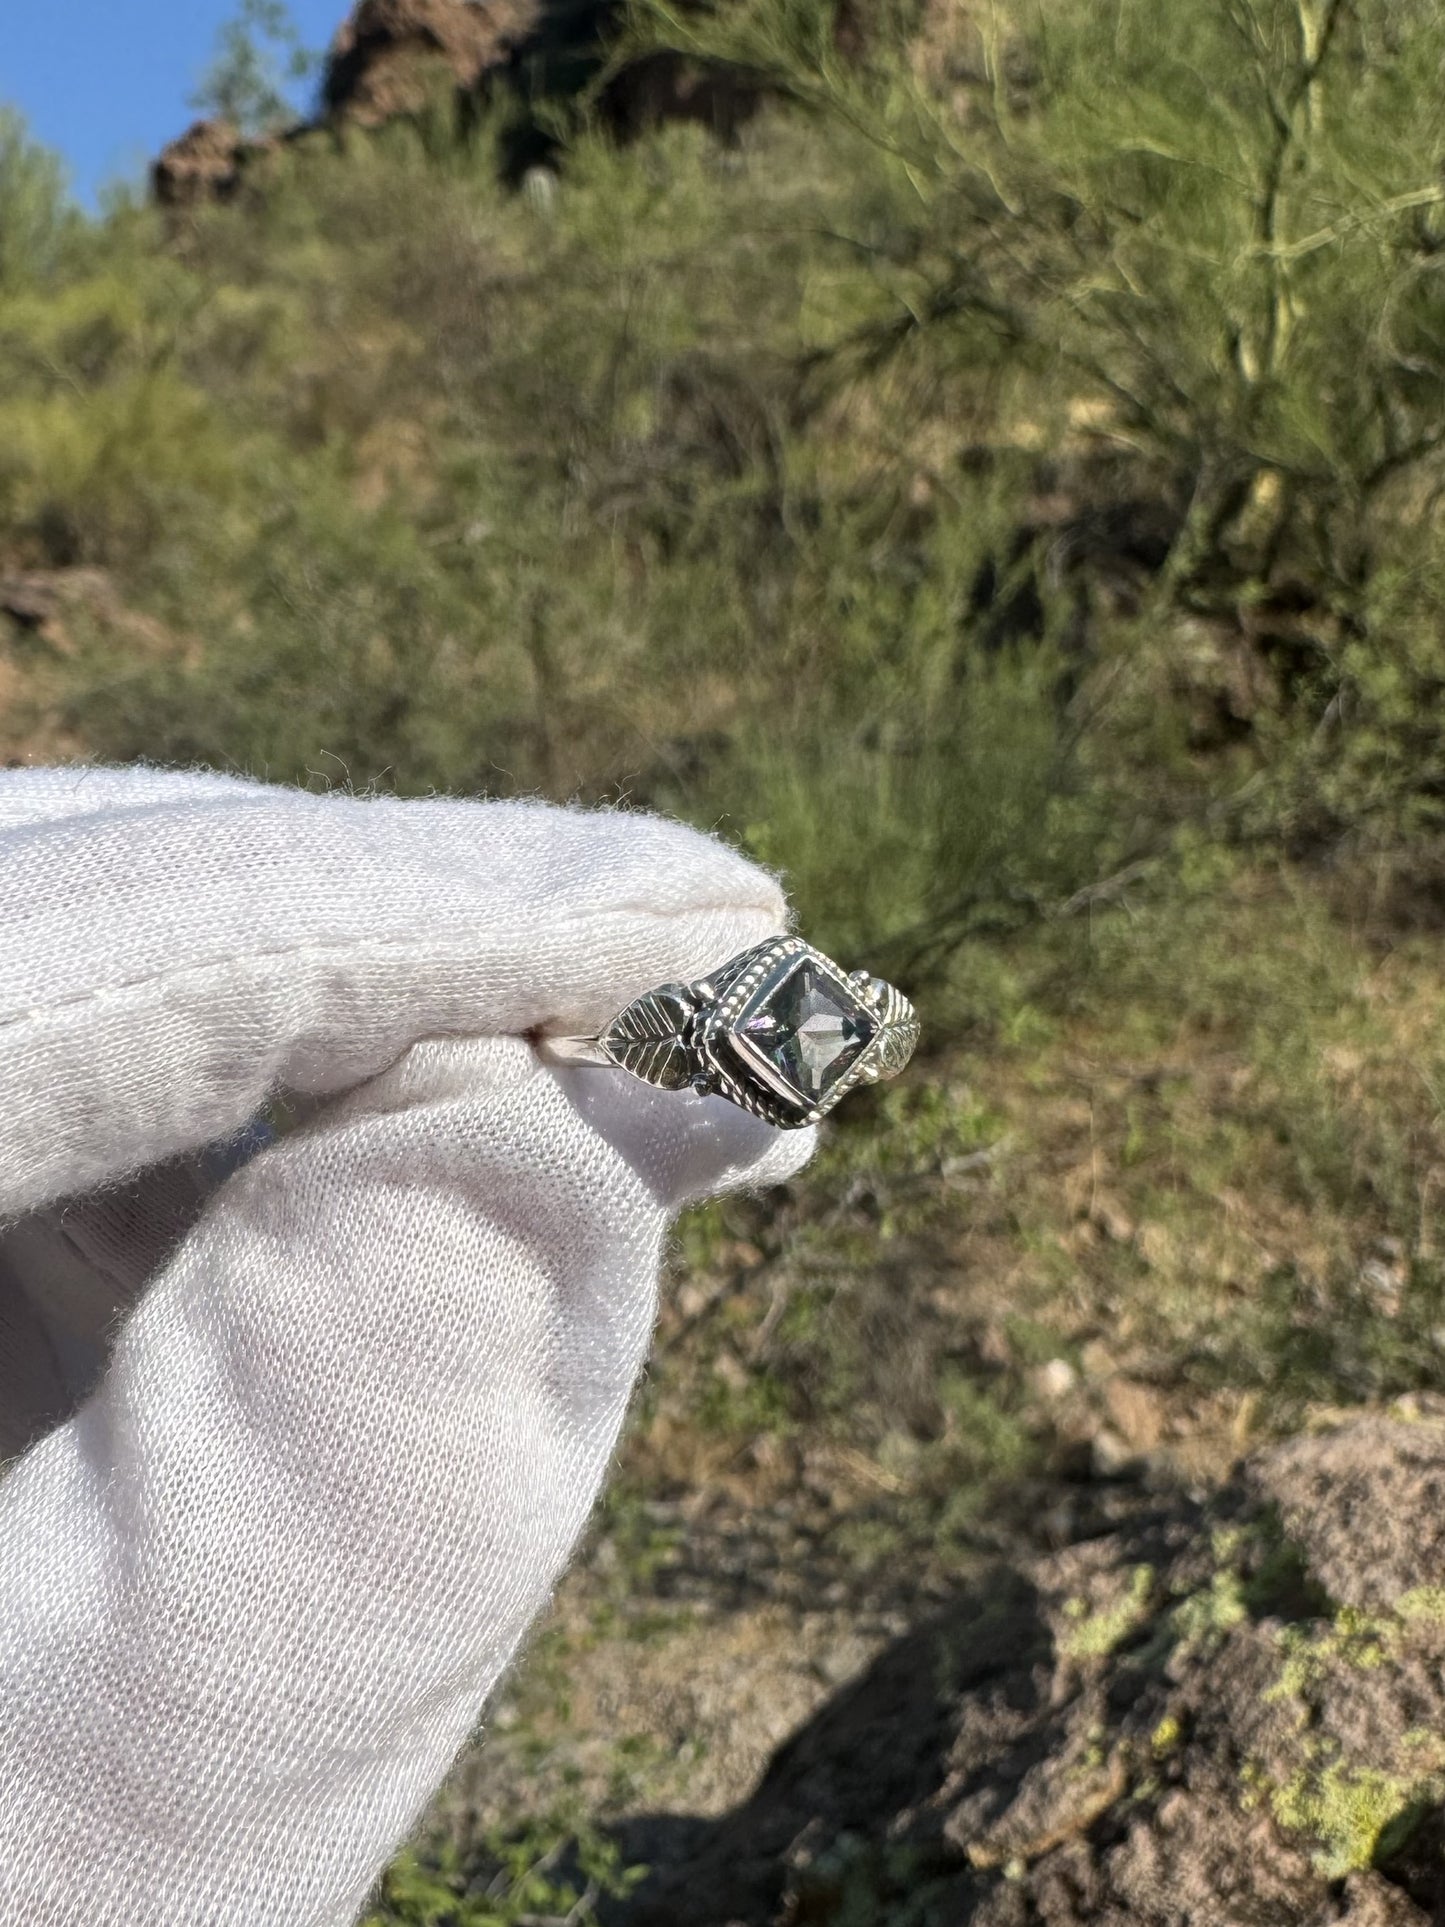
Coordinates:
254 1592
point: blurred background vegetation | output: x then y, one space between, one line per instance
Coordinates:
993 472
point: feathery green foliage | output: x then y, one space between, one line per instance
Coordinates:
37 220
1022 442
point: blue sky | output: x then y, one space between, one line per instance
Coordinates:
106 81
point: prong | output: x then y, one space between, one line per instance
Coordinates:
704 1085
705 990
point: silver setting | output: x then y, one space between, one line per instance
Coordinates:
711 1036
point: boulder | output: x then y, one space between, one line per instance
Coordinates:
1229 1713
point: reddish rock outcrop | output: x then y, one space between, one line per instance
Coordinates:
390 55
205 164
394 58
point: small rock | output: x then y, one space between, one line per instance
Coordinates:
1136 1412
835 1665
1096 1359
1056 1379
1109 1216
692 1298
1110 1456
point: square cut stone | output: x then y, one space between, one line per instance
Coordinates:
809 1028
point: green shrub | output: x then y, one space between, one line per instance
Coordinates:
1196 250
895 489
38 223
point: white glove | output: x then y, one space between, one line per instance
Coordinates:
254 1593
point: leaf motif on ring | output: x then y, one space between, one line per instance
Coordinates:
898 1033
650 1038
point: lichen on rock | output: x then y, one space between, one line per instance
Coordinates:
1229 1711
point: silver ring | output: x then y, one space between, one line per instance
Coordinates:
780 1030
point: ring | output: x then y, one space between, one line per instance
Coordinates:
780 1030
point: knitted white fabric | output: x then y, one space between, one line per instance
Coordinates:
254 1592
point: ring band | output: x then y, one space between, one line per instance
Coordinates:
781 1030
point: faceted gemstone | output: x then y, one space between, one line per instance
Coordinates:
811 1029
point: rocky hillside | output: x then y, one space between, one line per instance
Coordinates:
396 60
